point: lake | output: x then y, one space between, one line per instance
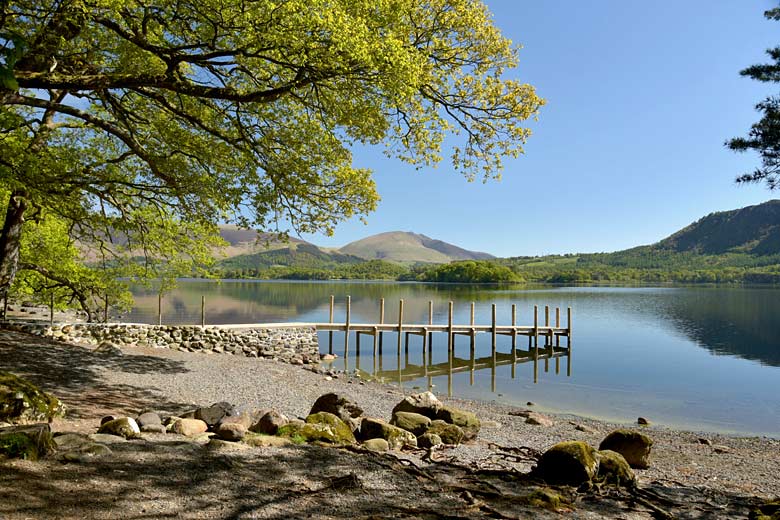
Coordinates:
699 358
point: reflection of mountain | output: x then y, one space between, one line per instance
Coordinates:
734 321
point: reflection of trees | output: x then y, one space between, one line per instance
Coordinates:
247 301
735 321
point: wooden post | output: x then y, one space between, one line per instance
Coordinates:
450 336
346 328
203 310
568 342
493 336
330 320
557 339
472 314
536 343
514 338
381 322
547 322
430 334
424 360
400 327
51 309
159 308
547 338
376 336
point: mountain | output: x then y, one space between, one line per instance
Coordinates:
753 229
248 241
407 247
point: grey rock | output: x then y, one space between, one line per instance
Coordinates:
424 403
339 405
147 419
269 423
211 415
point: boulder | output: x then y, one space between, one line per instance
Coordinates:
424 403
105 438
339 405
123 427
467 421
396 437
153 428
211 415
320 427
379 445
448 433
70 441
569 463
22 402
634 446
428 440
614 469
189 427
244 419
269 423
85 453
29 442
411 422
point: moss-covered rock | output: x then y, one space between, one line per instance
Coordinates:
570 463
634 446
396 437
767 511
319 427
428 440
466 421
411 422
614 469
379 445
22 402
261 440
448 433
547 499
29 442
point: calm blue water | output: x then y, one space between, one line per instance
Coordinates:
704 358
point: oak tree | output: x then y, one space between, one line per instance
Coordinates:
206 111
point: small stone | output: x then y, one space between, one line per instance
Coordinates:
530 403
327 357
108 349
211 415
231 431
448 433
493 425
721 449
189 427
428 440
379 445
269 423
466 421
585 428
706 442
371 428
328 378
569 463
411 422
339 405
123 427
538 419
108 418
147 419
642 421
262 441
153 428
424 403
634 446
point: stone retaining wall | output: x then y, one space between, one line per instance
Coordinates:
292 344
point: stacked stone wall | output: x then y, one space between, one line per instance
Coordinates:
292 344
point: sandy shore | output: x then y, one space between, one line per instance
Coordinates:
145 479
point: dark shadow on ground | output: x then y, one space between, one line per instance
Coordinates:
184 480
73 374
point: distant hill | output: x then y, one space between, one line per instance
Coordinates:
248 241
406 247
753 229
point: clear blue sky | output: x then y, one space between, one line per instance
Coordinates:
629 148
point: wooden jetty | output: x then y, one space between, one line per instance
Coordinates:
550 332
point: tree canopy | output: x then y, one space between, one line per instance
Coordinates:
116 115
764 136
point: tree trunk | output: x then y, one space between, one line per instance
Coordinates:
10 239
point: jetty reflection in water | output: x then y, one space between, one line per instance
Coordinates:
420 365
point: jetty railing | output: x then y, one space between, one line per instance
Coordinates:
550 332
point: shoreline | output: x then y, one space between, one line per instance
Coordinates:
739 471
